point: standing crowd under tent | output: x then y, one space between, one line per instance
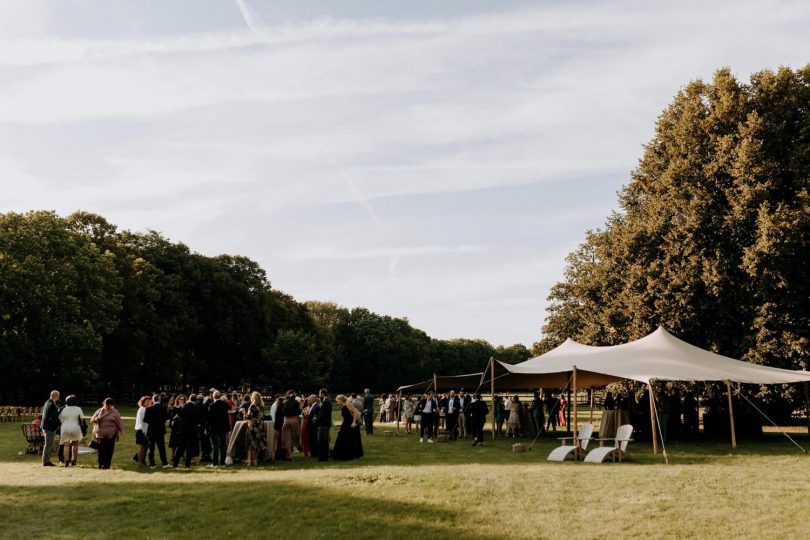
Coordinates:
657 357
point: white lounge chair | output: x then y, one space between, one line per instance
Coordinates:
577 450
618 450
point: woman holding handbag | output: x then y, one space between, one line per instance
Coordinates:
108 426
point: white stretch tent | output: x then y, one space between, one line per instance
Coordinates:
658 356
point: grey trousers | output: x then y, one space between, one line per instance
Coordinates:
48 446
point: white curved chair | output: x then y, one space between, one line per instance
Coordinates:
619 448
578 450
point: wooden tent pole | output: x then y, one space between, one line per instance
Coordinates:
574 427
492 389
399 412
652 418
591 417
435 386
731 416
807 405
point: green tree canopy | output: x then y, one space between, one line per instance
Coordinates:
712 238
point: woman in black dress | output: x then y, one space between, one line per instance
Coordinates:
174 423
348 445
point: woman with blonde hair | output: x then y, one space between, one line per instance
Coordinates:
140 430
513 424
407 413
306 441
256 434
348 444
177 403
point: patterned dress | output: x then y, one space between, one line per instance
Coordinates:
256 434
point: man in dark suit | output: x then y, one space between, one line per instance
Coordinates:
324 424
205 433
155 418
219 424
189 431
428 409
453 409
552 407
478 417
50 425
537 413
368 412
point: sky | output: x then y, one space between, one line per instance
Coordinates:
434 160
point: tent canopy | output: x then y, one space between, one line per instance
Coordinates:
658 356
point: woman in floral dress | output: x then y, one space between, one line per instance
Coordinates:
256 433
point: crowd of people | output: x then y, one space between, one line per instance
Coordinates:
461 415
200 427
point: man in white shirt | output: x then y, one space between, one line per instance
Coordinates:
273 408
453 409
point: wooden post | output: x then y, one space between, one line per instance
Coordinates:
399 412
807 405
492 388
731 416
652 418
568 427
592 398
438 418
574 427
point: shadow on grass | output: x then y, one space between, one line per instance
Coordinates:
264 509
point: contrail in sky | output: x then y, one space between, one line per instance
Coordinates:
363 202
254 26
249 20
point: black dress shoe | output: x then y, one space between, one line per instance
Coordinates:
49 464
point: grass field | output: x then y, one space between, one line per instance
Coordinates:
403 489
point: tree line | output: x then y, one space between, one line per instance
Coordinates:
712 238
93 309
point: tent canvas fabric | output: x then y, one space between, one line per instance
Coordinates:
658 356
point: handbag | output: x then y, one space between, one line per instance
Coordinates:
94 444
417 418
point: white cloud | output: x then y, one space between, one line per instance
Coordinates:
239 141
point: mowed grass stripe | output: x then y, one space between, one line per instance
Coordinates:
404 489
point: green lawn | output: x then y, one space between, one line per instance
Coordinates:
404 489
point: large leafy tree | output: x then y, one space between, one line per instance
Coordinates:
712 238
59 297
89 308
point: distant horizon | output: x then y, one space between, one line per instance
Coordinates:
435 163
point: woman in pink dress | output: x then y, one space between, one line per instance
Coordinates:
563 403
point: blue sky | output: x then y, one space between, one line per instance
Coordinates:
432 160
